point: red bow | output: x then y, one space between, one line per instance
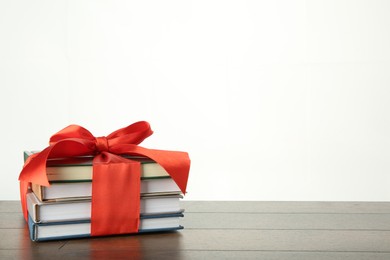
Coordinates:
108 189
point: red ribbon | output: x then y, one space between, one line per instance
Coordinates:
116 180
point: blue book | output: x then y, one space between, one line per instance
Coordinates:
81 228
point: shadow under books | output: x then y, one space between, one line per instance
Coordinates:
136 246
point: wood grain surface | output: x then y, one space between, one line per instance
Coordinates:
226 230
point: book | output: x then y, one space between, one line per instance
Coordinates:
80 168
73 210
79 229
82 190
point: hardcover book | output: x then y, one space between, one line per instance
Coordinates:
78 190
80 168
79 229
74 210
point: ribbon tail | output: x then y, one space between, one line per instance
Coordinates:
177 164
34 170
23 200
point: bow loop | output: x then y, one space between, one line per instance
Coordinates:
71 131
132 134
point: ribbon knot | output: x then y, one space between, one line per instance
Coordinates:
102 144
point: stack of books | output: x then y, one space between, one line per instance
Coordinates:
63 210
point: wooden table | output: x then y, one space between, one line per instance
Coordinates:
227 230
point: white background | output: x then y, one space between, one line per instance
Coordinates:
273 100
